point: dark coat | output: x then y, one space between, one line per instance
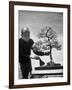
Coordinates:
25 50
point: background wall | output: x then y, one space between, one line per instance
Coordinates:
4 45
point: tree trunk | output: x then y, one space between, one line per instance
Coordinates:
51 54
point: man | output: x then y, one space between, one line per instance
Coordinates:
25 45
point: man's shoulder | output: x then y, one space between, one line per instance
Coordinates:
31 40
20 40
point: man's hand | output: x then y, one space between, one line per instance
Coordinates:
36 57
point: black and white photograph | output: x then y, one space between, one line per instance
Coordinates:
41 44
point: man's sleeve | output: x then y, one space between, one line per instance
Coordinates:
21 54
20 49
32 42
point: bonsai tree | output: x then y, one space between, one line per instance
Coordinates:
47 41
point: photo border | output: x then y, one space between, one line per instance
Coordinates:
11 43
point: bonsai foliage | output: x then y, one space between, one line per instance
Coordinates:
47 41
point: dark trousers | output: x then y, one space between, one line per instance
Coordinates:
25 69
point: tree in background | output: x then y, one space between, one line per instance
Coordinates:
47 41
